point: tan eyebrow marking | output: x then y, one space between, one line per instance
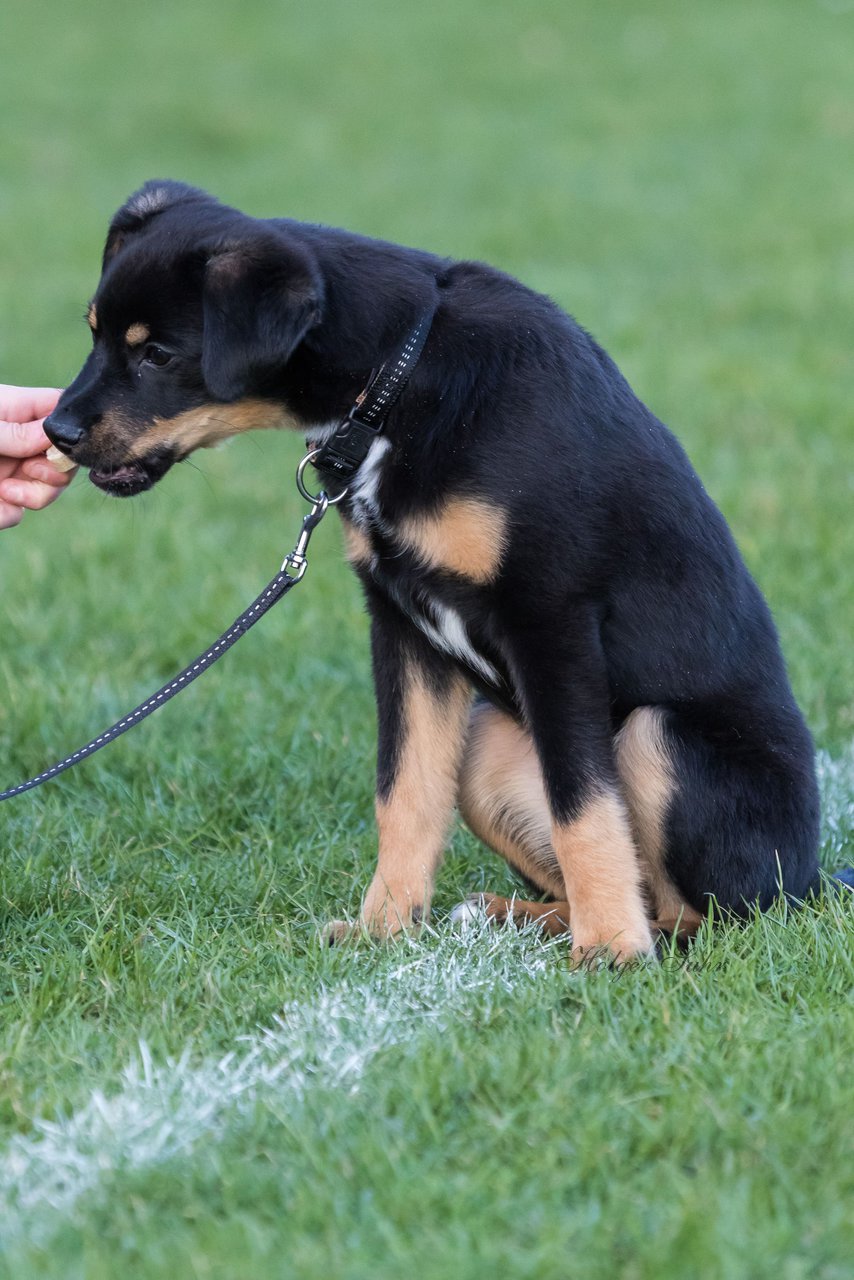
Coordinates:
137 334
92 317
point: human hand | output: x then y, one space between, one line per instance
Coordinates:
27 480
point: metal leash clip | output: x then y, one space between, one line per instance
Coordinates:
295 562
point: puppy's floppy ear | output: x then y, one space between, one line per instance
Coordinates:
261 296
154 197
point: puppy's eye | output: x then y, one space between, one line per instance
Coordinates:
156 355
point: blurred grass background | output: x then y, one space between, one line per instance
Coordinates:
677 176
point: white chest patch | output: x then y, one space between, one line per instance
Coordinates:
363 494
449 634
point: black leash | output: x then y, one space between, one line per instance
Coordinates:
275 591
347 449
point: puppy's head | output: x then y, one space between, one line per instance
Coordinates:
197 313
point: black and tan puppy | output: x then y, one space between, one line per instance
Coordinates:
523 526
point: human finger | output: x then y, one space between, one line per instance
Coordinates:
22 439
27 404
40 468
10 515
31 494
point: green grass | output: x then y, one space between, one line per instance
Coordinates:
677 176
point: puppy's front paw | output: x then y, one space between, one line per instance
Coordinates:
617 953
338 931
383 926
391 909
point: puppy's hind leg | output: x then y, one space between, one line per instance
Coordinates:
742 823
649 784
502 800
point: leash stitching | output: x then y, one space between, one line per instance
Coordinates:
276 589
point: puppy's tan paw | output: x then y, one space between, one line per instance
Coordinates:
552 918
390 927
338 931
386 914
379 929
616 954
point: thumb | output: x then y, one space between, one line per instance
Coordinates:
22 439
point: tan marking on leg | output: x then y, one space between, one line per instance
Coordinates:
551 917
649 782
92 317
467 536
413 821
357 544
601 870
137 334
208 424
503 800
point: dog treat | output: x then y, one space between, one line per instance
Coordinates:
59 460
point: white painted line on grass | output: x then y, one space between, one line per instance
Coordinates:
162 1110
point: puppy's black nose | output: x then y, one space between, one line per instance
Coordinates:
63 428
